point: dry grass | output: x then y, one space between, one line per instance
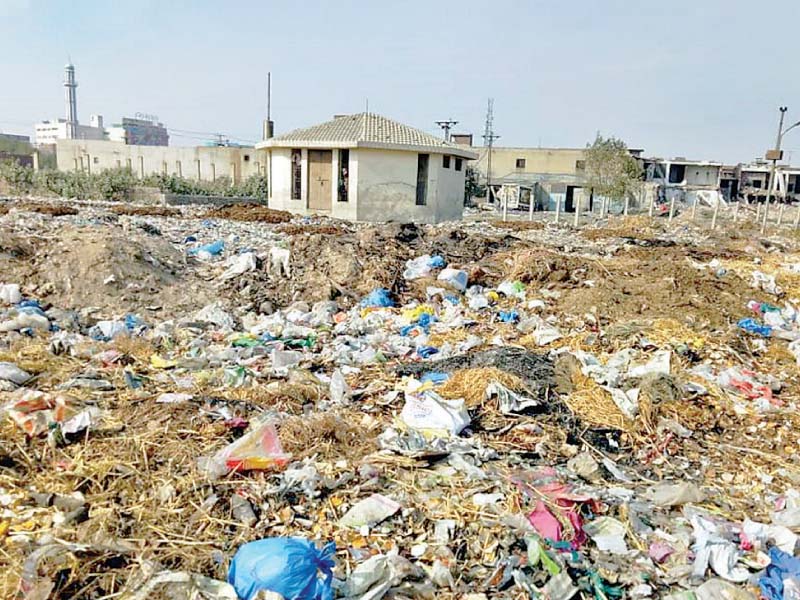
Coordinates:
471 384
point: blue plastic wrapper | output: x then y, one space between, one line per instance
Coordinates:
214 248
426 351
753 326
511 316
435 377
292 567
377 298
782 566
436 262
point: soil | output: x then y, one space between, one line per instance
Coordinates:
146 211
249 212
107 267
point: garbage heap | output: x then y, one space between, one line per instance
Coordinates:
536 423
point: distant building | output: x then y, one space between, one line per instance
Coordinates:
683 179
11 137
139 132
49 132
365 167
201 163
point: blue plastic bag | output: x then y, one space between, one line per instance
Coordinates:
377 298
214 248
782 566
436 262
293 567
753 326
511 316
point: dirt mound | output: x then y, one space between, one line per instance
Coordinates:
325 266
109 268
652 283
321 229
146 211
249 212
54 210
519 225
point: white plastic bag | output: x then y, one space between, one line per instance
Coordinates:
455 277
430 412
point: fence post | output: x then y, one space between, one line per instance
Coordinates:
558 210
716 212
671 208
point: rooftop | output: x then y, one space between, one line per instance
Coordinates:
366 130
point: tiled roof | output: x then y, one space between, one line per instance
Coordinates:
364 129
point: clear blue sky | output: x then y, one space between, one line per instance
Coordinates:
696 78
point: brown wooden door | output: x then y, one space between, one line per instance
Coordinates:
319 179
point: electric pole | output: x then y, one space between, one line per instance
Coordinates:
488 140
446 125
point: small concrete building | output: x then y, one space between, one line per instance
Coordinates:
365 167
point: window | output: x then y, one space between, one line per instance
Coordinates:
459 163
520 163
446 161
422 179
756 183
246 157
677 173
296 173
580 165
344 174
96 160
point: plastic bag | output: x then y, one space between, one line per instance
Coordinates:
292 567
258 449
455 277
238 265
377 298
422 266
9 293
208 250
429 411
753 326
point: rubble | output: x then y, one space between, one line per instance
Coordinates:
472 410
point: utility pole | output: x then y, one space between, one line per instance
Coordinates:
446 125
773 155
488 140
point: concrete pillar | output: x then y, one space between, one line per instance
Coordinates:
178 168
35 157
88 164
234 174
141 167
129 165
627 202
558 210
671 208
197 165
716 212
213 172
164 167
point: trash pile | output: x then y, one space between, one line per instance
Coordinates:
467 411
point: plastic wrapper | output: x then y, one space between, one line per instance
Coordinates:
257 450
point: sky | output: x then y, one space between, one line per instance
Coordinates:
701 79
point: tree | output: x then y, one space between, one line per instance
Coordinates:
611 171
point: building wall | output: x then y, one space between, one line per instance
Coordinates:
201 162
387 188
555 161
49 132
702 175
383 186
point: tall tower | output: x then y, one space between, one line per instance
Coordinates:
72 101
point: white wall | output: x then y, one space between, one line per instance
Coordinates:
383 187
281 198
387 188
702 175
213 162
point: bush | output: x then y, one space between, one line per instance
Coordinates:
117 184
